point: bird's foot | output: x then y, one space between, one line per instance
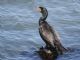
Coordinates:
42 47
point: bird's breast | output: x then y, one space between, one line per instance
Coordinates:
46 32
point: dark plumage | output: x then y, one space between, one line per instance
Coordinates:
49 35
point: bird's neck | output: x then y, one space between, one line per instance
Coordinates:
43 17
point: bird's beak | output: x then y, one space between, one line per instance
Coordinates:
38 9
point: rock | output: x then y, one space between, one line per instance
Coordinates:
47 54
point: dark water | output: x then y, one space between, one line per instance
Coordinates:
19 36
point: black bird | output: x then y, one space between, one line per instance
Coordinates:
49 35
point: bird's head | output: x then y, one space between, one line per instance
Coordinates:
43 11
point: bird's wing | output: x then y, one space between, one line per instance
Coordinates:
46 34
57 42
50 37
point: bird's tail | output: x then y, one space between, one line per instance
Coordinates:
59 47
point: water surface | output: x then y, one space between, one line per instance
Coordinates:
19 36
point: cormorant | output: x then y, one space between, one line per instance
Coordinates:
49 35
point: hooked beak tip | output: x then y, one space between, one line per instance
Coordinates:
38 9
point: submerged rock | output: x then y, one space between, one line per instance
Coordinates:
47 54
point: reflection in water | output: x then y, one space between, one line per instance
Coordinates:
19 36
